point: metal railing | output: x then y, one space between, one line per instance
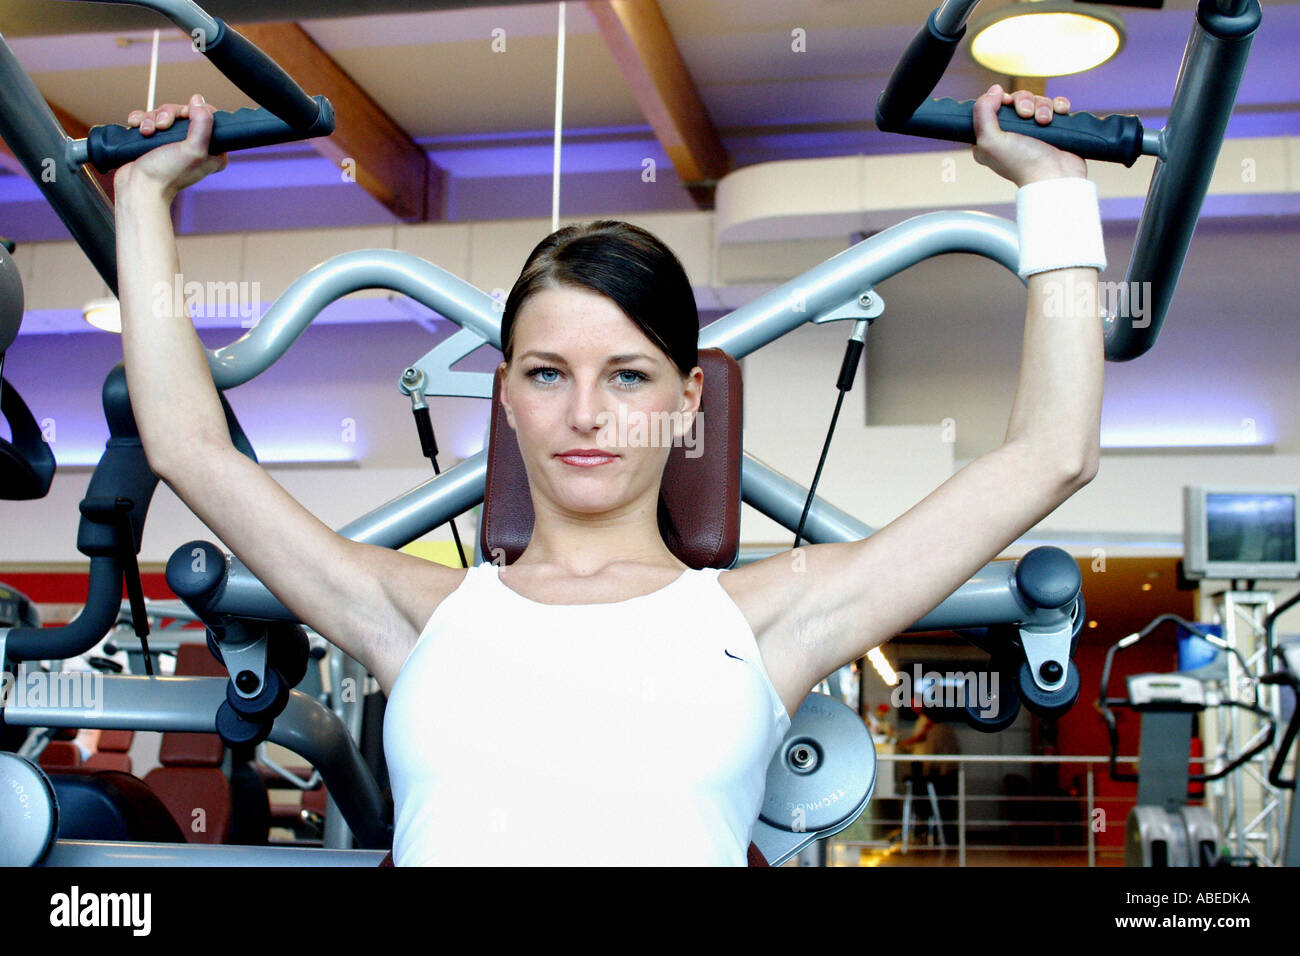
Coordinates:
1085 813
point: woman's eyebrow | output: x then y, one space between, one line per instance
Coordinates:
612 360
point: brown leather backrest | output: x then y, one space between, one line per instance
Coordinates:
183 790
60 753
195 660
182 749
117 741
701 484
112 751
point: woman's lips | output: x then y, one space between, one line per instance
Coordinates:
587 460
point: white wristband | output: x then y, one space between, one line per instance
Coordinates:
1059 223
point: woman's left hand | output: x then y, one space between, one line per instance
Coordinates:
1021 159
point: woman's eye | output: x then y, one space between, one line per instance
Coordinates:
538 373
625 378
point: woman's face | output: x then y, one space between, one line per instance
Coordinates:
585 378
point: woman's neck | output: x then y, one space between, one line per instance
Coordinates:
587 553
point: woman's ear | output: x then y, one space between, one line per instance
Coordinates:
504 368
692 390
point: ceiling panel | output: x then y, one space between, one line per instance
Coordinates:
464 88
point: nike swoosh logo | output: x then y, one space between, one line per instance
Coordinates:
731 655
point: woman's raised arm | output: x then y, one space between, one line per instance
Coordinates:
370 601
172 395
825 605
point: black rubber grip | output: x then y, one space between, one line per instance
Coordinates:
112 146
260 77
917 74
1113 139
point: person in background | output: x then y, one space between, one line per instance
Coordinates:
934 738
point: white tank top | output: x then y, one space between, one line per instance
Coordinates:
629 733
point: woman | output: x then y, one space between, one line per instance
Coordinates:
574 706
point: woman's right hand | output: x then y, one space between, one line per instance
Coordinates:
172 167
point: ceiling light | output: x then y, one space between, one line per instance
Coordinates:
103 314
887 673
1046 38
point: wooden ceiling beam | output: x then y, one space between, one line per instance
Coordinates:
639 38
366 143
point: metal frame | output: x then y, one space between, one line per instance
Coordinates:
834 289
302 722
306 727
1186 151
1250 810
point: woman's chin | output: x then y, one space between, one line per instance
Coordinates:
593 504
589 507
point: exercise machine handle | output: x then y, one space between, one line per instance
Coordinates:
262 79
1186 150
110 146
1112 139
903 107
36 137
918 72
242 62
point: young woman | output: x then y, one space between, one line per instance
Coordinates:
597 701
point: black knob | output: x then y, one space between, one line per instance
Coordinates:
235 731
1050 671
195 570
247 682
1048 577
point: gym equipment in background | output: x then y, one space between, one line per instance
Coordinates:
1163 830
26 462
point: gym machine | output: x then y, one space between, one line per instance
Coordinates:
1163 829
1286 659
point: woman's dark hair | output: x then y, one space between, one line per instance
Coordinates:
633 269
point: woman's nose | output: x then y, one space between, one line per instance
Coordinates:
588 407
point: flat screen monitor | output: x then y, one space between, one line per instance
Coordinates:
1235 532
